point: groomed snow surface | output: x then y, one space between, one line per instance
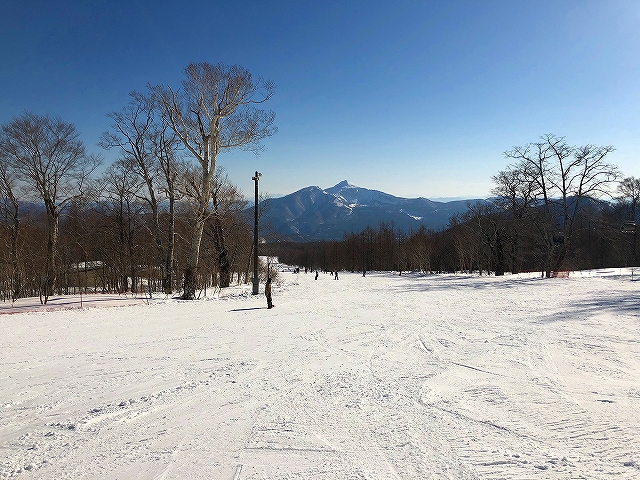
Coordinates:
376 377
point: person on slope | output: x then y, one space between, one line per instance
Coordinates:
267 293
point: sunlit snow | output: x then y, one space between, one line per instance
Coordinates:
376 377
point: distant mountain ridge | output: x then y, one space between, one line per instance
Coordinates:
316 214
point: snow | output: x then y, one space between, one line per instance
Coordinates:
412 216
352 196
376 377
68 302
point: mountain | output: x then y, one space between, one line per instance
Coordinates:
316 214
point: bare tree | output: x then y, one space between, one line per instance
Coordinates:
150 148
10 213
514 197
214 111
560 178
487 225
52 162
629 196
120 205
629 200
420 250
226 223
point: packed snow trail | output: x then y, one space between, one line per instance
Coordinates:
376 377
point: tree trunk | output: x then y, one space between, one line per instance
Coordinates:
50 268
547 262
191 268
560 256
16 280
224 266
167 270
167 277
249 260
499 255
515 253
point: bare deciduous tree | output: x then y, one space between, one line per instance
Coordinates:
10 213
52 162
226 221
119 203
146 143
214 111
629 199
629 196
560 178
514 196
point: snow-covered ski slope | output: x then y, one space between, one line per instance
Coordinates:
381 377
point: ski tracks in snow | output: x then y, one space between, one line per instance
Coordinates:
521 403
136 437
382 377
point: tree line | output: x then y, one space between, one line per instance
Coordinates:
163 216
555 207
162 207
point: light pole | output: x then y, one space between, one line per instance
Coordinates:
256 280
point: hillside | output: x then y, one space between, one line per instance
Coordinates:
316 214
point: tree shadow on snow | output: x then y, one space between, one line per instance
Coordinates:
437 283
619 303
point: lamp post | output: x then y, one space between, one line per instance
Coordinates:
256 280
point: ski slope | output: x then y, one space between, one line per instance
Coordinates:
376 377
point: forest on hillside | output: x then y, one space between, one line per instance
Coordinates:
483 242
156 213
555 207
164 217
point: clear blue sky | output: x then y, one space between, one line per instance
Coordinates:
414 98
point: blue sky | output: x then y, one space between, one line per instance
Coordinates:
414 98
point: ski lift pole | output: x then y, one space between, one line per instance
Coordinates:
256 280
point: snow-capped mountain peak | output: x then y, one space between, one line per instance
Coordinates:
337 188
313 213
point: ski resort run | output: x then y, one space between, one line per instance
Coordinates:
376 377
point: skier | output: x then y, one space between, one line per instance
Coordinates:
267 292
316 274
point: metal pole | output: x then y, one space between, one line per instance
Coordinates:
256 280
